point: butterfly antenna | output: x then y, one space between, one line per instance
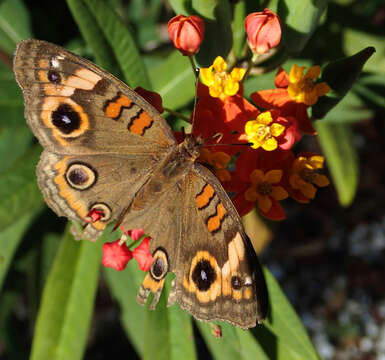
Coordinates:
196 97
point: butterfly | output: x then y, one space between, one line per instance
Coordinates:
107 149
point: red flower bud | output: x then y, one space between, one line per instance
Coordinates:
142 255
186 33
263 30
94 215
115 255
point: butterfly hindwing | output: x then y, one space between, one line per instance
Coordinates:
218 274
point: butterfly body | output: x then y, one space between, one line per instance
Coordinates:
106 148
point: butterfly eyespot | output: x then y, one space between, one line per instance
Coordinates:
80 176
54 77
65 119
203 275
159 267
104 209
236 282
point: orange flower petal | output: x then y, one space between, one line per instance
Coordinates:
279 193
251 194
273 176
308 190
321 180
264 203
256 176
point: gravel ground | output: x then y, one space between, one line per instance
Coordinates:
330 260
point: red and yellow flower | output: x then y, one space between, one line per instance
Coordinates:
305 176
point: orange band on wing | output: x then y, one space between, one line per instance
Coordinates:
214 222
113 108
151 284
205 196
140 123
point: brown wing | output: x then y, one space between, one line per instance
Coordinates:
74 107
218 274
197 234
160 218
73 185
88 121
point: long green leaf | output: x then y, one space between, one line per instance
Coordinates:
285 324
299 19
10 239
14 142
19 193
94 36
14 24
66 308
122 43
338 146
124 288
226 347
218 39
174 80
166 332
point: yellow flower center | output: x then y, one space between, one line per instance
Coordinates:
303 88
308 175
221 83
264 188
262 131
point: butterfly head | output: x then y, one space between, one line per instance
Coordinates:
192 146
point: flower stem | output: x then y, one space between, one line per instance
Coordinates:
194 67
177 114
250 64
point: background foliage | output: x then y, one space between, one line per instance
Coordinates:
52 292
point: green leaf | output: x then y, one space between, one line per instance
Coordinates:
218 39
93 34
355 40
10 240
121 42
14 24
64 317
164 331
226 347
337 144
239 33
132 315
9 339
350 109
19 193
299 19
340 75
371 95
157 332
11 99
174 80
285 323
14 142
183 7
182 342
